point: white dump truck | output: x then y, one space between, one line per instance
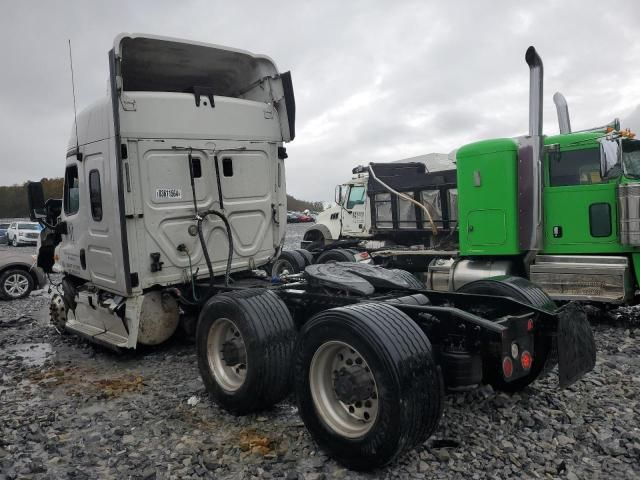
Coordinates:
174 196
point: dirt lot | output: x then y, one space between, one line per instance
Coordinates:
72 410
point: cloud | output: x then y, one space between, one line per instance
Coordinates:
374 80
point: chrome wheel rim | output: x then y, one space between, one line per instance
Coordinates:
349 418
227 354
16 285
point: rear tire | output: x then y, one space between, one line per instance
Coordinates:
289 261
307 255
524 291
393 396
411 280
336 255
244 344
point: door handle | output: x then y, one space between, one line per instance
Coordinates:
557 231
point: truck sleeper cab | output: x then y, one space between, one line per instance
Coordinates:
181 118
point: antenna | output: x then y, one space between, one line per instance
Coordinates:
75 113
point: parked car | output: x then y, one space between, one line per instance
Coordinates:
292 217
23 233
19 275
3 232
304 218
297 217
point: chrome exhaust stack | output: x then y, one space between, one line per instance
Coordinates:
530 165
563 113
536 74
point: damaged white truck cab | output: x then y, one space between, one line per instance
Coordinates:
180 117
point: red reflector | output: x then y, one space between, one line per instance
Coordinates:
526 359
530 324
507 367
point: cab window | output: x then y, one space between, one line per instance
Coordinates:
575 167
71 190
95 195
356 196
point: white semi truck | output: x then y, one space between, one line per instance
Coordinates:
174 195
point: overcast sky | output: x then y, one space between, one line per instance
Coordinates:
373 80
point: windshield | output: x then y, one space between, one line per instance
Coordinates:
631 158
28 226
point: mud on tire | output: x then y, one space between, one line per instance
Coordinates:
244 344
405 402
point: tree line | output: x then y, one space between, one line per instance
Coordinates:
14 204
13 199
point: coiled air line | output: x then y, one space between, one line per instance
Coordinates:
200 217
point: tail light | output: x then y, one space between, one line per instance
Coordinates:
526 360
507 367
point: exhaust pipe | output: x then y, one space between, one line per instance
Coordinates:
563 113
536 73
530 165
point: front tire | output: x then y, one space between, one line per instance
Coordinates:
244 343
15 284
14 242
366 383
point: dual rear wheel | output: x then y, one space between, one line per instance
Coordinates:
364 376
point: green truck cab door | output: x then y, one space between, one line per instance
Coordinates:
580 213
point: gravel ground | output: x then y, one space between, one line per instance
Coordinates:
72 410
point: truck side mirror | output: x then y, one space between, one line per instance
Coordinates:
35 198
338 194
610 155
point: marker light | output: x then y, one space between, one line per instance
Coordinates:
507 367
526 360
530 324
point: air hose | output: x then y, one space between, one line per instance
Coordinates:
201 217
222 216
434 228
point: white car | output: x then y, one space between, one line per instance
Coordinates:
23 233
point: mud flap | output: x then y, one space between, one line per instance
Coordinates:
576 345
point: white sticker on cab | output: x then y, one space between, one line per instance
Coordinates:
168 193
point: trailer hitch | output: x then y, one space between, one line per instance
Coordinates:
576 345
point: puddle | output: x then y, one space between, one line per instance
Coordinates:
32 354
42 317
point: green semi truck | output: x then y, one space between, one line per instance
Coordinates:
561 210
